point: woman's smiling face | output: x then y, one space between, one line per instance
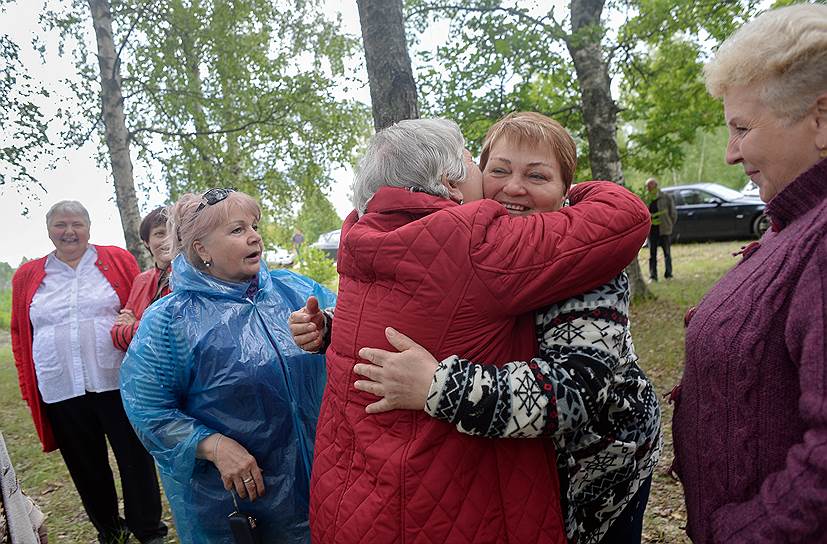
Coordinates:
524 178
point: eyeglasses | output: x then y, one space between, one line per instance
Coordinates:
214 196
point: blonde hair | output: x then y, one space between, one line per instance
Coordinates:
534 128
783 52
186 223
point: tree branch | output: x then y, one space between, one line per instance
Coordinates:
554 29
193 134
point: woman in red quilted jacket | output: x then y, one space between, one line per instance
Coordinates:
458 279
149 285
584 390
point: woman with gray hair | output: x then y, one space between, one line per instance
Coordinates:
750 422
63 307
458 279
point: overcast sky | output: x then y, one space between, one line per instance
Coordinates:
77 176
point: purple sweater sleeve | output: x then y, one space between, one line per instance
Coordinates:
791 505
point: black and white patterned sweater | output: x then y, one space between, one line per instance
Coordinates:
585 391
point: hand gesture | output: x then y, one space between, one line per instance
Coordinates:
402 379
125 317
307 326
237 467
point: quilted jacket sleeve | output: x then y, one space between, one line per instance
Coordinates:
531 261
122 334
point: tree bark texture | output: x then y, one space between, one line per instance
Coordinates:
117 136
392 86
599 109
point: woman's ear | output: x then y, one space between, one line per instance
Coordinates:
202 252
453 191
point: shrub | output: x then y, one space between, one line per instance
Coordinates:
314 263
5 309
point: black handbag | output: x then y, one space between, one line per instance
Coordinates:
244 527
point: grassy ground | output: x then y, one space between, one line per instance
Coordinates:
657 327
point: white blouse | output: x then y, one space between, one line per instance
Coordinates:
72 314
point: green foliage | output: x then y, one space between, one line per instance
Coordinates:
703 161
227 93
315 263
501 57
317 215
5 309
28 141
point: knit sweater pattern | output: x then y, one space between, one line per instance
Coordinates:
750 422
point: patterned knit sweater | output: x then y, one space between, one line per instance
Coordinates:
750 424
584 390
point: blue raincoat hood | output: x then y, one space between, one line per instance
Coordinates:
217 356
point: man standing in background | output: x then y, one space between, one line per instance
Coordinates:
664 214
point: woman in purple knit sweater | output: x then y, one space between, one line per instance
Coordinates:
750 424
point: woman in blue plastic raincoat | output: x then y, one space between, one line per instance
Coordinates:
214 385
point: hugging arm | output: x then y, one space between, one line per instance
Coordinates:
532 261
553 395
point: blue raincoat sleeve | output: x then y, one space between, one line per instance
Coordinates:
209 358
154 377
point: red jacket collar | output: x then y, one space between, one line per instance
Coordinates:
394 199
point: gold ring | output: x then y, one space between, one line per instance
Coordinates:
248 480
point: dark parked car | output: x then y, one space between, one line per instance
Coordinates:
708 211
329 243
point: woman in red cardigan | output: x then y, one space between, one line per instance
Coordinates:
63 307
151 284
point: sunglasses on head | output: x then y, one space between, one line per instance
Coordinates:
214 196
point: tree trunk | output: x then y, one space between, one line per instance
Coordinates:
117 136
392 85
599 110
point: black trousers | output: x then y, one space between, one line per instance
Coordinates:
628 527
81 426
664 241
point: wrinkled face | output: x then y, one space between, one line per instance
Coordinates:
524 178
157 245
772 151
234 248
69 233
472 186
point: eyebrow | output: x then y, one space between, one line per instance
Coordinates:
536 163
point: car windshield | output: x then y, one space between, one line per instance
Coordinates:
723 192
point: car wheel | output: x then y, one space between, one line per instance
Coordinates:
760 225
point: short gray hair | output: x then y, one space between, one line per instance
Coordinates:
414 153
783 52
68 206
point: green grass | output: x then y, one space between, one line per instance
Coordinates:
657 328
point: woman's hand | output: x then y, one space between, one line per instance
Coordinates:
307 326
125 317
402 379
237 467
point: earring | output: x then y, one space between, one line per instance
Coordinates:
823 153
207 264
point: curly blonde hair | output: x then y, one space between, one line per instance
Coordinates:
783 52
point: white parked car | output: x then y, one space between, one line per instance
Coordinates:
750 189
329 243
278 256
